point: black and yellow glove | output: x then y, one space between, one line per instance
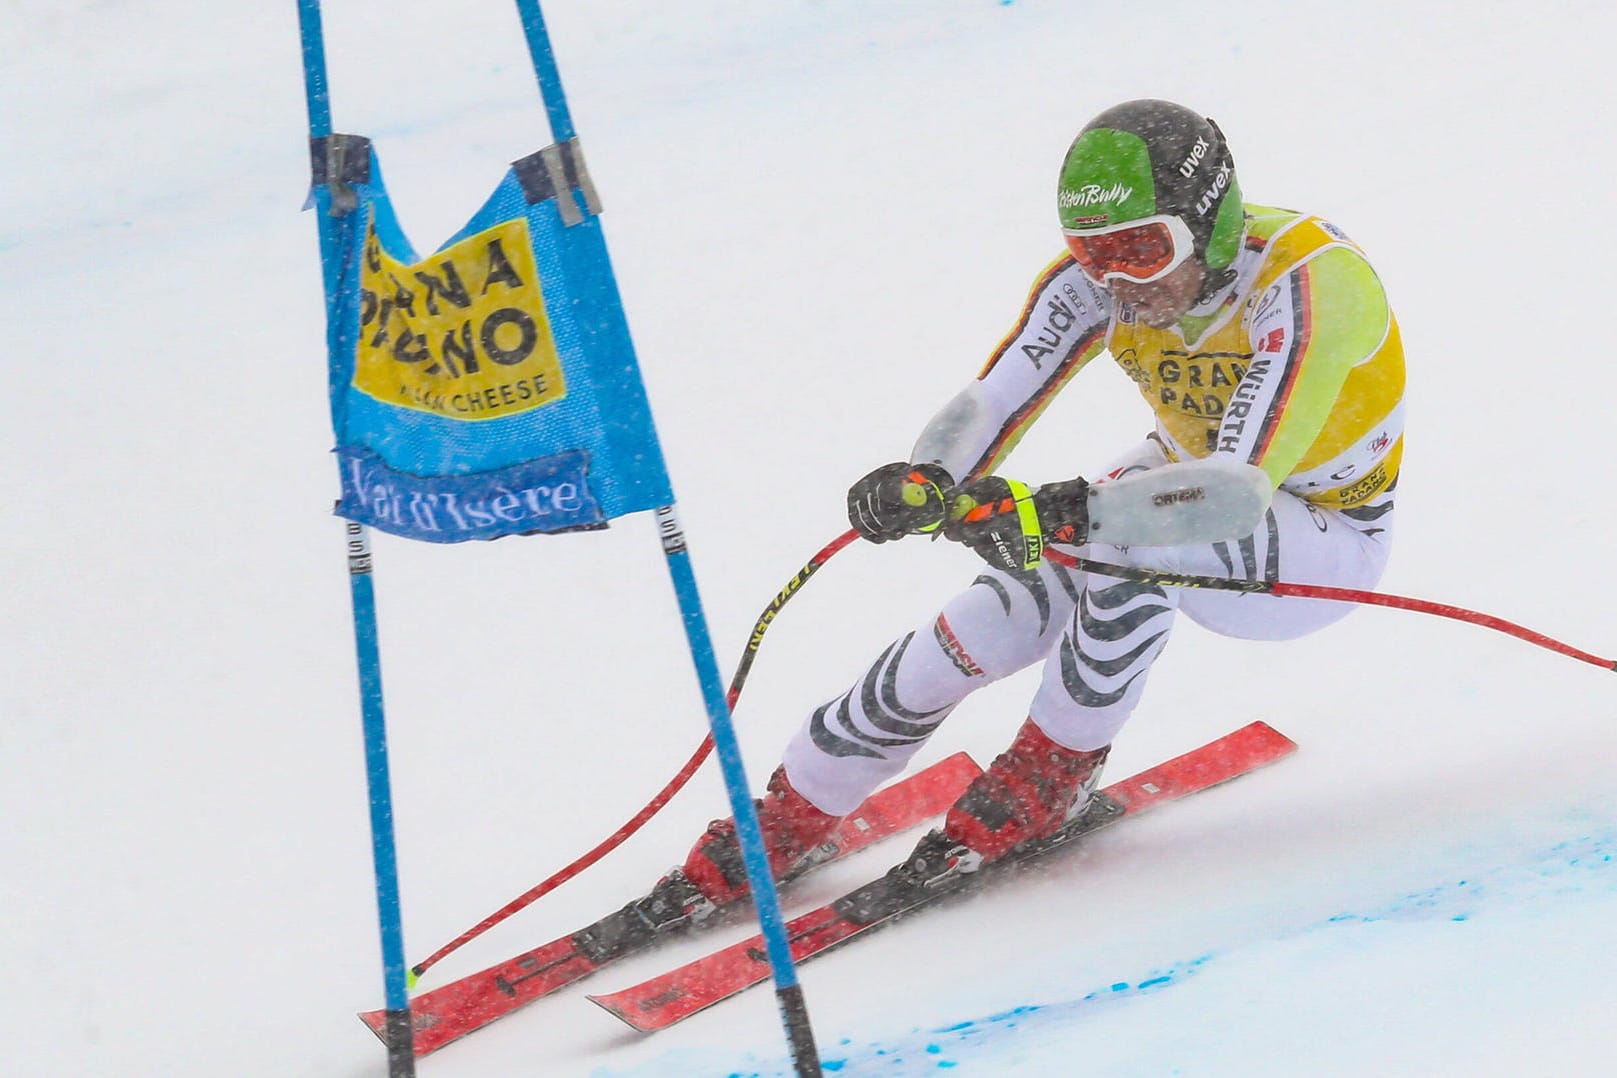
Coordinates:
1008 523
898 499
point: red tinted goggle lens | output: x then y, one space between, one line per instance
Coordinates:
1138 252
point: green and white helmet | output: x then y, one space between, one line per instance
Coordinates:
1154 159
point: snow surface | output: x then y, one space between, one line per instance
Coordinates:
823 214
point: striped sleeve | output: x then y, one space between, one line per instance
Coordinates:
1312 327
1062 326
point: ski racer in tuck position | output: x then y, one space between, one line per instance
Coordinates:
1263 342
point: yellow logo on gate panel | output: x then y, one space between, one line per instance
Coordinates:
462 334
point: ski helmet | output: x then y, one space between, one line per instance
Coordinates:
1151 158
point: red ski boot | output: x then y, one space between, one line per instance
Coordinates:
792 827
1029 791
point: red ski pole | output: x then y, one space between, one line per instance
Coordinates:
1121 572
1341 595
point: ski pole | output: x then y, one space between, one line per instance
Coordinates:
677 783
1122 572
1340 595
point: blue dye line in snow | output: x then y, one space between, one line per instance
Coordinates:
1570 867
941 1049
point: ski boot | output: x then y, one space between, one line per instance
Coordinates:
792 829
1027 793
713 876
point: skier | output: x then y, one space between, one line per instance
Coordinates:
1263 342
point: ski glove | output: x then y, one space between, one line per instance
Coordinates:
1007 523
898 499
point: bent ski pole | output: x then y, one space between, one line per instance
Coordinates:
675 784
1340 595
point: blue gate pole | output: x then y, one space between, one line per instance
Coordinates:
766 901
399 1034
788 992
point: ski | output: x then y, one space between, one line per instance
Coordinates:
447 1013
925 878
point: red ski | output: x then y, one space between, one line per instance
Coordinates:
448 1013
922 880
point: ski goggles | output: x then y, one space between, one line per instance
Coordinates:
1141 251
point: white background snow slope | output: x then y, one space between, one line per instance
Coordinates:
823 216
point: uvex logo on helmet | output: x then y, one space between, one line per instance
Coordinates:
1214 189
1187 167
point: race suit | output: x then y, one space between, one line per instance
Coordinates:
1295 366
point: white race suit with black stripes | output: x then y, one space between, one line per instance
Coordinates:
1295 367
